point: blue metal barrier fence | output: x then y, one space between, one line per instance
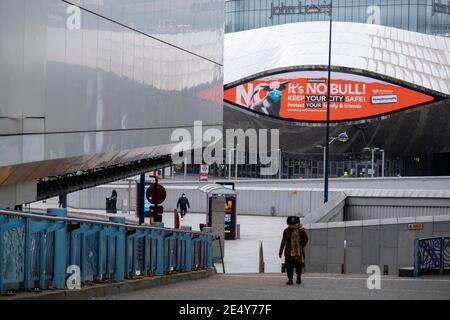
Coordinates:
431 255
40 251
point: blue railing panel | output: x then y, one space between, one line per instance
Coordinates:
139 256
75 248
431 254
111 254
37 249
430 251
35 238
129 255
13 255
91 256
446 253
49 254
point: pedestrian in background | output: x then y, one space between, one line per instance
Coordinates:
114 201
183 204
293 244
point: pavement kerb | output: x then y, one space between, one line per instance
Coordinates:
101 290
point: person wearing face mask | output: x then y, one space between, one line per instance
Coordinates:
183 205
270 103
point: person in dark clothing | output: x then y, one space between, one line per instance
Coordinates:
114 201
183 204
62 200
293 244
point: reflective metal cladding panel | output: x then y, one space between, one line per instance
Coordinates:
85 78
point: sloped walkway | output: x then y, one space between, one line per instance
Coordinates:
314 286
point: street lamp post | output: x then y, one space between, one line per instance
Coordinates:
229 161
327 143
324 162
141 199
236 162
382 162
280 164
373 160
342 137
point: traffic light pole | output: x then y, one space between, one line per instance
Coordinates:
142 199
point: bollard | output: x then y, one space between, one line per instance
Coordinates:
176 219
261 257
343 266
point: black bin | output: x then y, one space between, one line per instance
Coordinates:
108 206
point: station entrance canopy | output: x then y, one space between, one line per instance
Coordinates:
217 190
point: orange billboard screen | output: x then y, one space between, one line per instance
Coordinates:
302 95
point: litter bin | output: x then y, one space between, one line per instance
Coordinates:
108 206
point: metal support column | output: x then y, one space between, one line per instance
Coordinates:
142 199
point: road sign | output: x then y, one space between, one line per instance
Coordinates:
415 226
156 194
204 170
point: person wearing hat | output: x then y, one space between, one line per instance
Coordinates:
293 244
183 204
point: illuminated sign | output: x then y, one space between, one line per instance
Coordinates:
302 96
415 226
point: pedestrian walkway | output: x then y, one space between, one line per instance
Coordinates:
314 286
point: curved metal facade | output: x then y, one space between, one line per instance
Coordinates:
88 84
419 59
412 139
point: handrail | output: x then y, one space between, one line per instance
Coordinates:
82 220
40 249
430 238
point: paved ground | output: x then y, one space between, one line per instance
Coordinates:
314 286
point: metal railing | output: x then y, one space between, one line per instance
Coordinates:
40 251
431 255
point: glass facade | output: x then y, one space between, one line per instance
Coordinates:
424 16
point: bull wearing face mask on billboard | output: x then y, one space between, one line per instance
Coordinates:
270 104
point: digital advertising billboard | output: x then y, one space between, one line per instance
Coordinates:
302 96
